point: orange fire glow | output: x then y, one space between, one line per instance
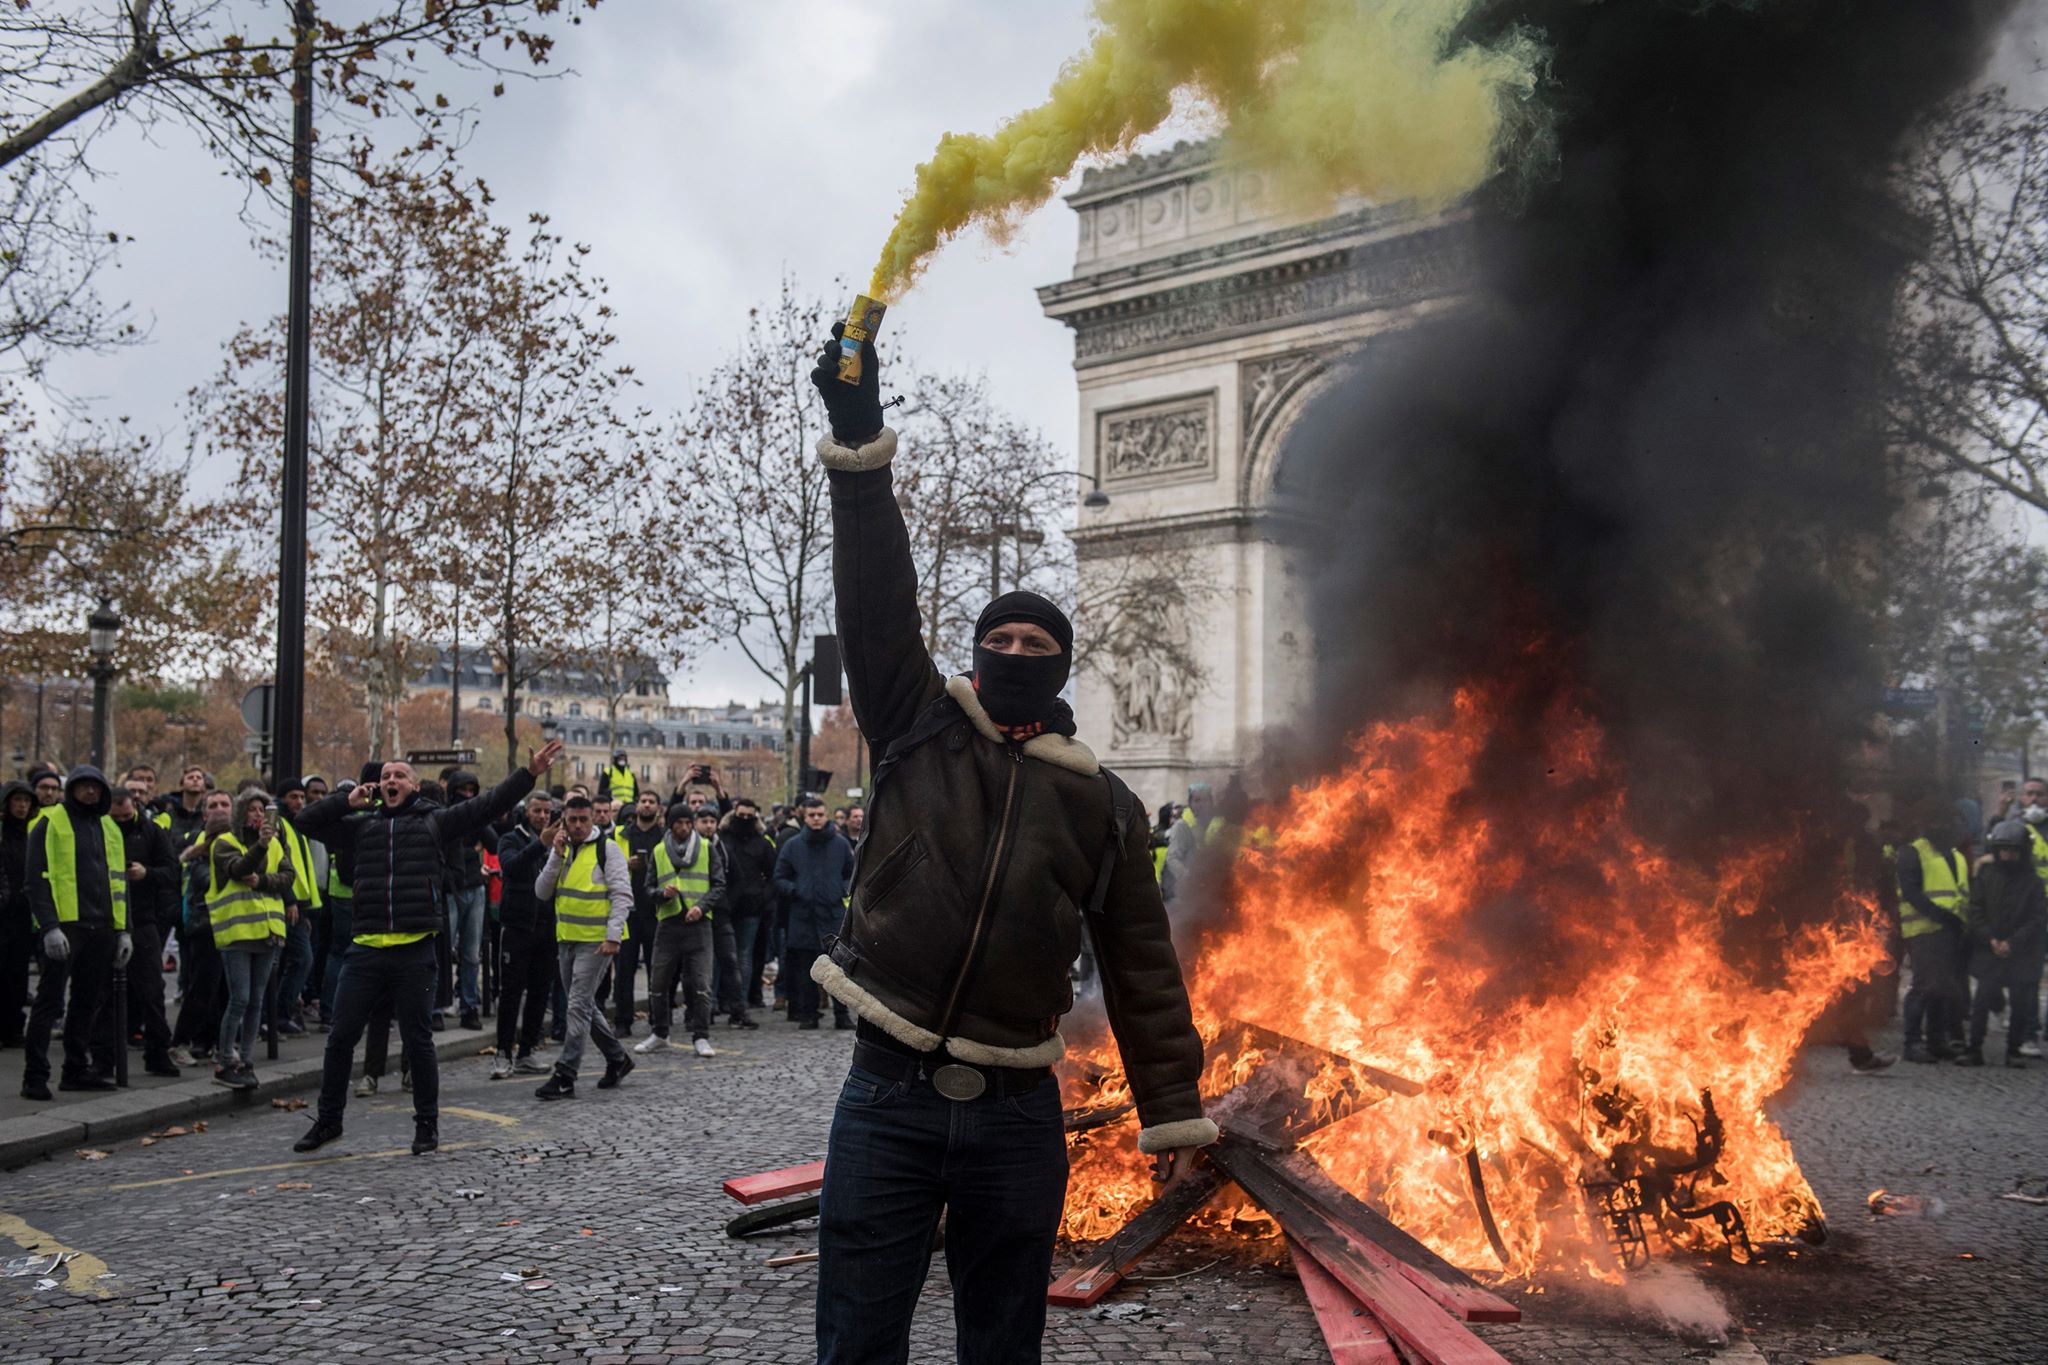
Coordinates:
1556 986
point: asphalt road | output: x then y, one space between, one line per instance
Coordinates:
224 1246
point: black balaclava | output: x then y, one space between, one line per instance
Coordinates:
1021 691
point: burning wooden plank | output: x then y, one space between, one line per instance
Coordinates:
1408 1313
1106 1264
1353 1335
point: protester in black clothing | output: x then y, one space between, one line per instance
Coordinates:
749 904
17 926
637 833
198 1022
400 859
992 832
2008 937
81 915
526 939
812 871
153 909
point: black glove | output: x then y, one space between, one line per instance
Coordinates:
855 409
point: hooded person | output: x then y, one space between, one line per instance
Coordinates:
294 966
992 831
749 909
17 925
249 906
2007 923
76 868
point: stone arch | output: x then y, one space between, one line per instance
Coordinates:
1277 391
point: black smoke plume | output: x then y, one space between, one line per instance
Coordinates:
1639 463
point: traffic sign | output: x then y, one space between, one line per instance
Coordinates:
461 758
259 706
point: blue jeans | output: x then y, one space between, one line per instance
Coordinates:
341 941
468 911
899 1153
248 975
295 966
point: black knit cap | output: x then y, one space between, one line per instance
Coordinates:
1013 607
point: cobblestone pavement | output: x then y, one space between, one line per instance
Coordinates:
223 1246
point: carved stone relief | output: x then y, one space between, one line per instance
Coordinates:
1174 438
1151 701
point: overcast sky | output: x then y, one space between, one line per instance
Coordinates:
701 148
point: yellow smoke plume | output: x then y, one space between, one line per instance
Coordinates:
1337 97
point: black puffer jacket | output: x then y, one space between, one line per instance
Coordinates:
2008 905
980 853
401 855
154 899
521 855
749 867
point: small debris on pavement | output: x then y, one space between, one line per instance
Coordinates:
1906 1205
470 1194
294 1185
91 1154
292 1103
538 1284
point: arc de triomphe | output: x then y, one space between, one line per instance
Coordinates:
1206 317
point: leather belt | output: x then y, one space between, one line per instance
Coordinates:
876 1052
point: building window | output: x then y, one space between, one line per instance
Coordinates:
483 703
746 742
575 708
579 767
725 741
703 740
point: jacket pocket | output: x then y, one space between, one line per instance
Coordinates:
902 860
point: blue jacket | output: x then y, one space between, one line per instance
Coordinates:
811 875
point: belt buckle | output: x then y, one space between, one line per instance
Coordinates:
957 1082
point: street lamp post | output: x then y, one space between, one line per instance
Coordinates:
289 723
103 633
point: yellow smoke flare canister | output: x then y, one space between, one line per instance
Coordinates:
863 320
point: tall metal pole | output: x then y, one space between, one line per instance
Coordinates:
803 742
288 723
455 681
101 677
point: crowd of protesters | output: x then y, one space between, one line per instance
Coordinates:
206 922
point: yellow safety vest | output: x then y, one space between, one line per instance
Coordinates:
693 881
1159 862
240 914
1207 835
583 906
1946 884
60 863
625 788
2040 853
304 889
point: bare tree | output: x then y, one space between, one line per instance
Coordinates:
1969 394
104 512
983 495
399 352
545 420
746 450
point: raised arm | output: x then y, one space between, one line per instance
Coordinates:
881 634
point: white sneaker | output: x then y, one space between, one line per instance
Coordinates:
501 1066
650 1043
182 1057
2029 1049
704 1048
366 1087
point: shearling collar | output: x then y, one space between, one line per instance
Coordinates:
1061 751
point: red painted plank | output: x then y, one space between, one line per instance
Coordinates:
1086 1283
1408 1314
1352 1334
755 1189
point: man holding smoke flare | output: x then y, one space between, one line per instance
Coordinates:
993 835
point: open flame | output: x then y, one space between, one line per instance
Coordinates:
1558 987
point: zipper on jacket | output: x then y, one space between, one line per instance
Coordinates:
390 876
947 1018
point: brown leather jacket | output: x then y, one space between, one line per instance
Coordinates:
981 853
